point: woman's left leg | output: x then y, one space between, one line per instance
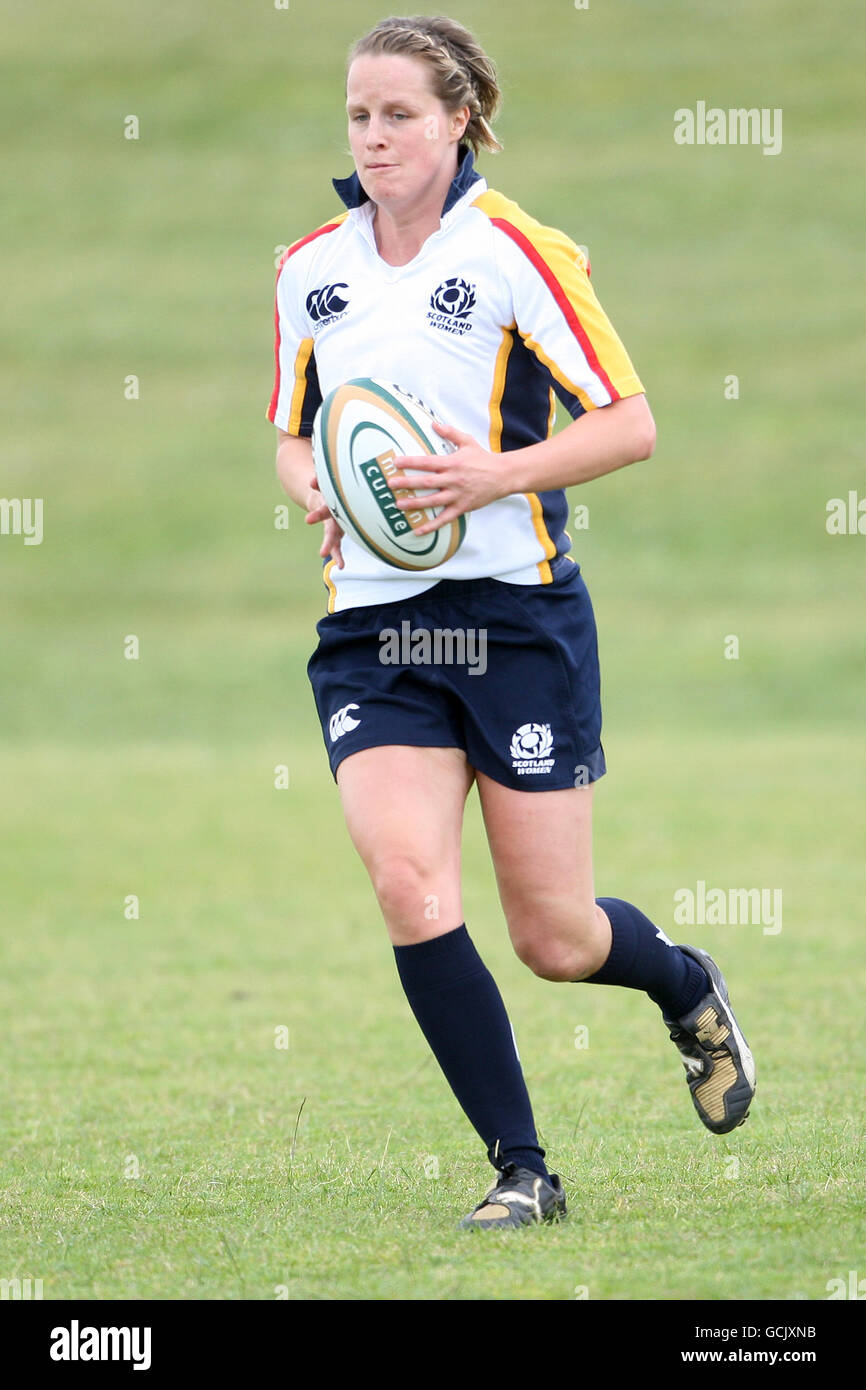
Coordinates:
541 843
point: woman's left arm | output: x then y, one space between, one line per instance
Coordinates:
596 443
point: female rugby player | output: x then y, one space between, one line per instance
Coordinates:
434 282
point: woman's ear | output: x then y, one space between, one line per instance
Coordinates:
459 121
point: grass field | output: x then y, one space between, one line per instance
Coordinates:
153 1145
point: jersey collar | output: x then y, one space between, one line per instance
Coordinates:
353 195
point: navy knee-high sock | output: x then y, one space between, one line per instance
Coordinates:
461 1014
642 957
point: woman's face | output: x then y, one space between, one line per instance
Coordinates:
402 138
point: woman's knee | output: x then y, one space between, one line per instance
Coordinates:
417 899
564 947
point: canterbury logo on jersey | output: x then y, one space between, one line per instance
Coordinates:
342 722
451 303
327 304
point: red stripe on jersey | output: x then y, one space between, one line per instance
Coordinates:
272 408
296 246
562 300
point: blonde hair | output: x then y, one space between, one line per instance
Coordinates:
463 75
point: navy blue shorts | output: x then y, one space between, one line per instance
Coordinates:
507 672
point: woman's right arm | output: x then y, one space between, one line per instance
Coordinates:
295 468
296 473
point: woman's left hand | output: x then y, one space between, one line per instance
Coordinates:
462 482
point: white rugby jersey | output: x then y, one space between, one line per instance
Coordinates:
492 319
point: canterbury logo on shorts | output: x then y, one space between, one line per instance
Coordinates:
342 722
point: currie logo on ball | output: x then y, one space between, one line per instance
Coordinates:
451 303
327 304
529 749
377 471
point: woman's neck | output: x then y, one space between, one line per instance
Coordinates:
400 238
402 230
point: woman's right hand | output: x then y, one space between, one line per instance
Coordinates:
317 510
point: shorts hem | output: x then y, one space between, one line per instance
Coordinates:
595 765
388 743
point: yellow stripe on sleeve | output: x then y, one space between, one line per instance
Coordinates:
551 419
557 373
305 352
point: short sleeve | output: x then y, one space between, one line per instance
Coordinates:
557 313
296 396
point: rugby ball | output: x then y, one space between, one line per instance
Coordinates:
361 432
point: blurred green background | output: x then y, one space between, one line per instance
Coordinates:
155 257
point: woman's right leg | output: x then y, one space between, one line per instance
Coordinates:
404 812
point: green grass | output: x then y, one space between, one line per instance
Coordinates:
147 1046
153 1040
